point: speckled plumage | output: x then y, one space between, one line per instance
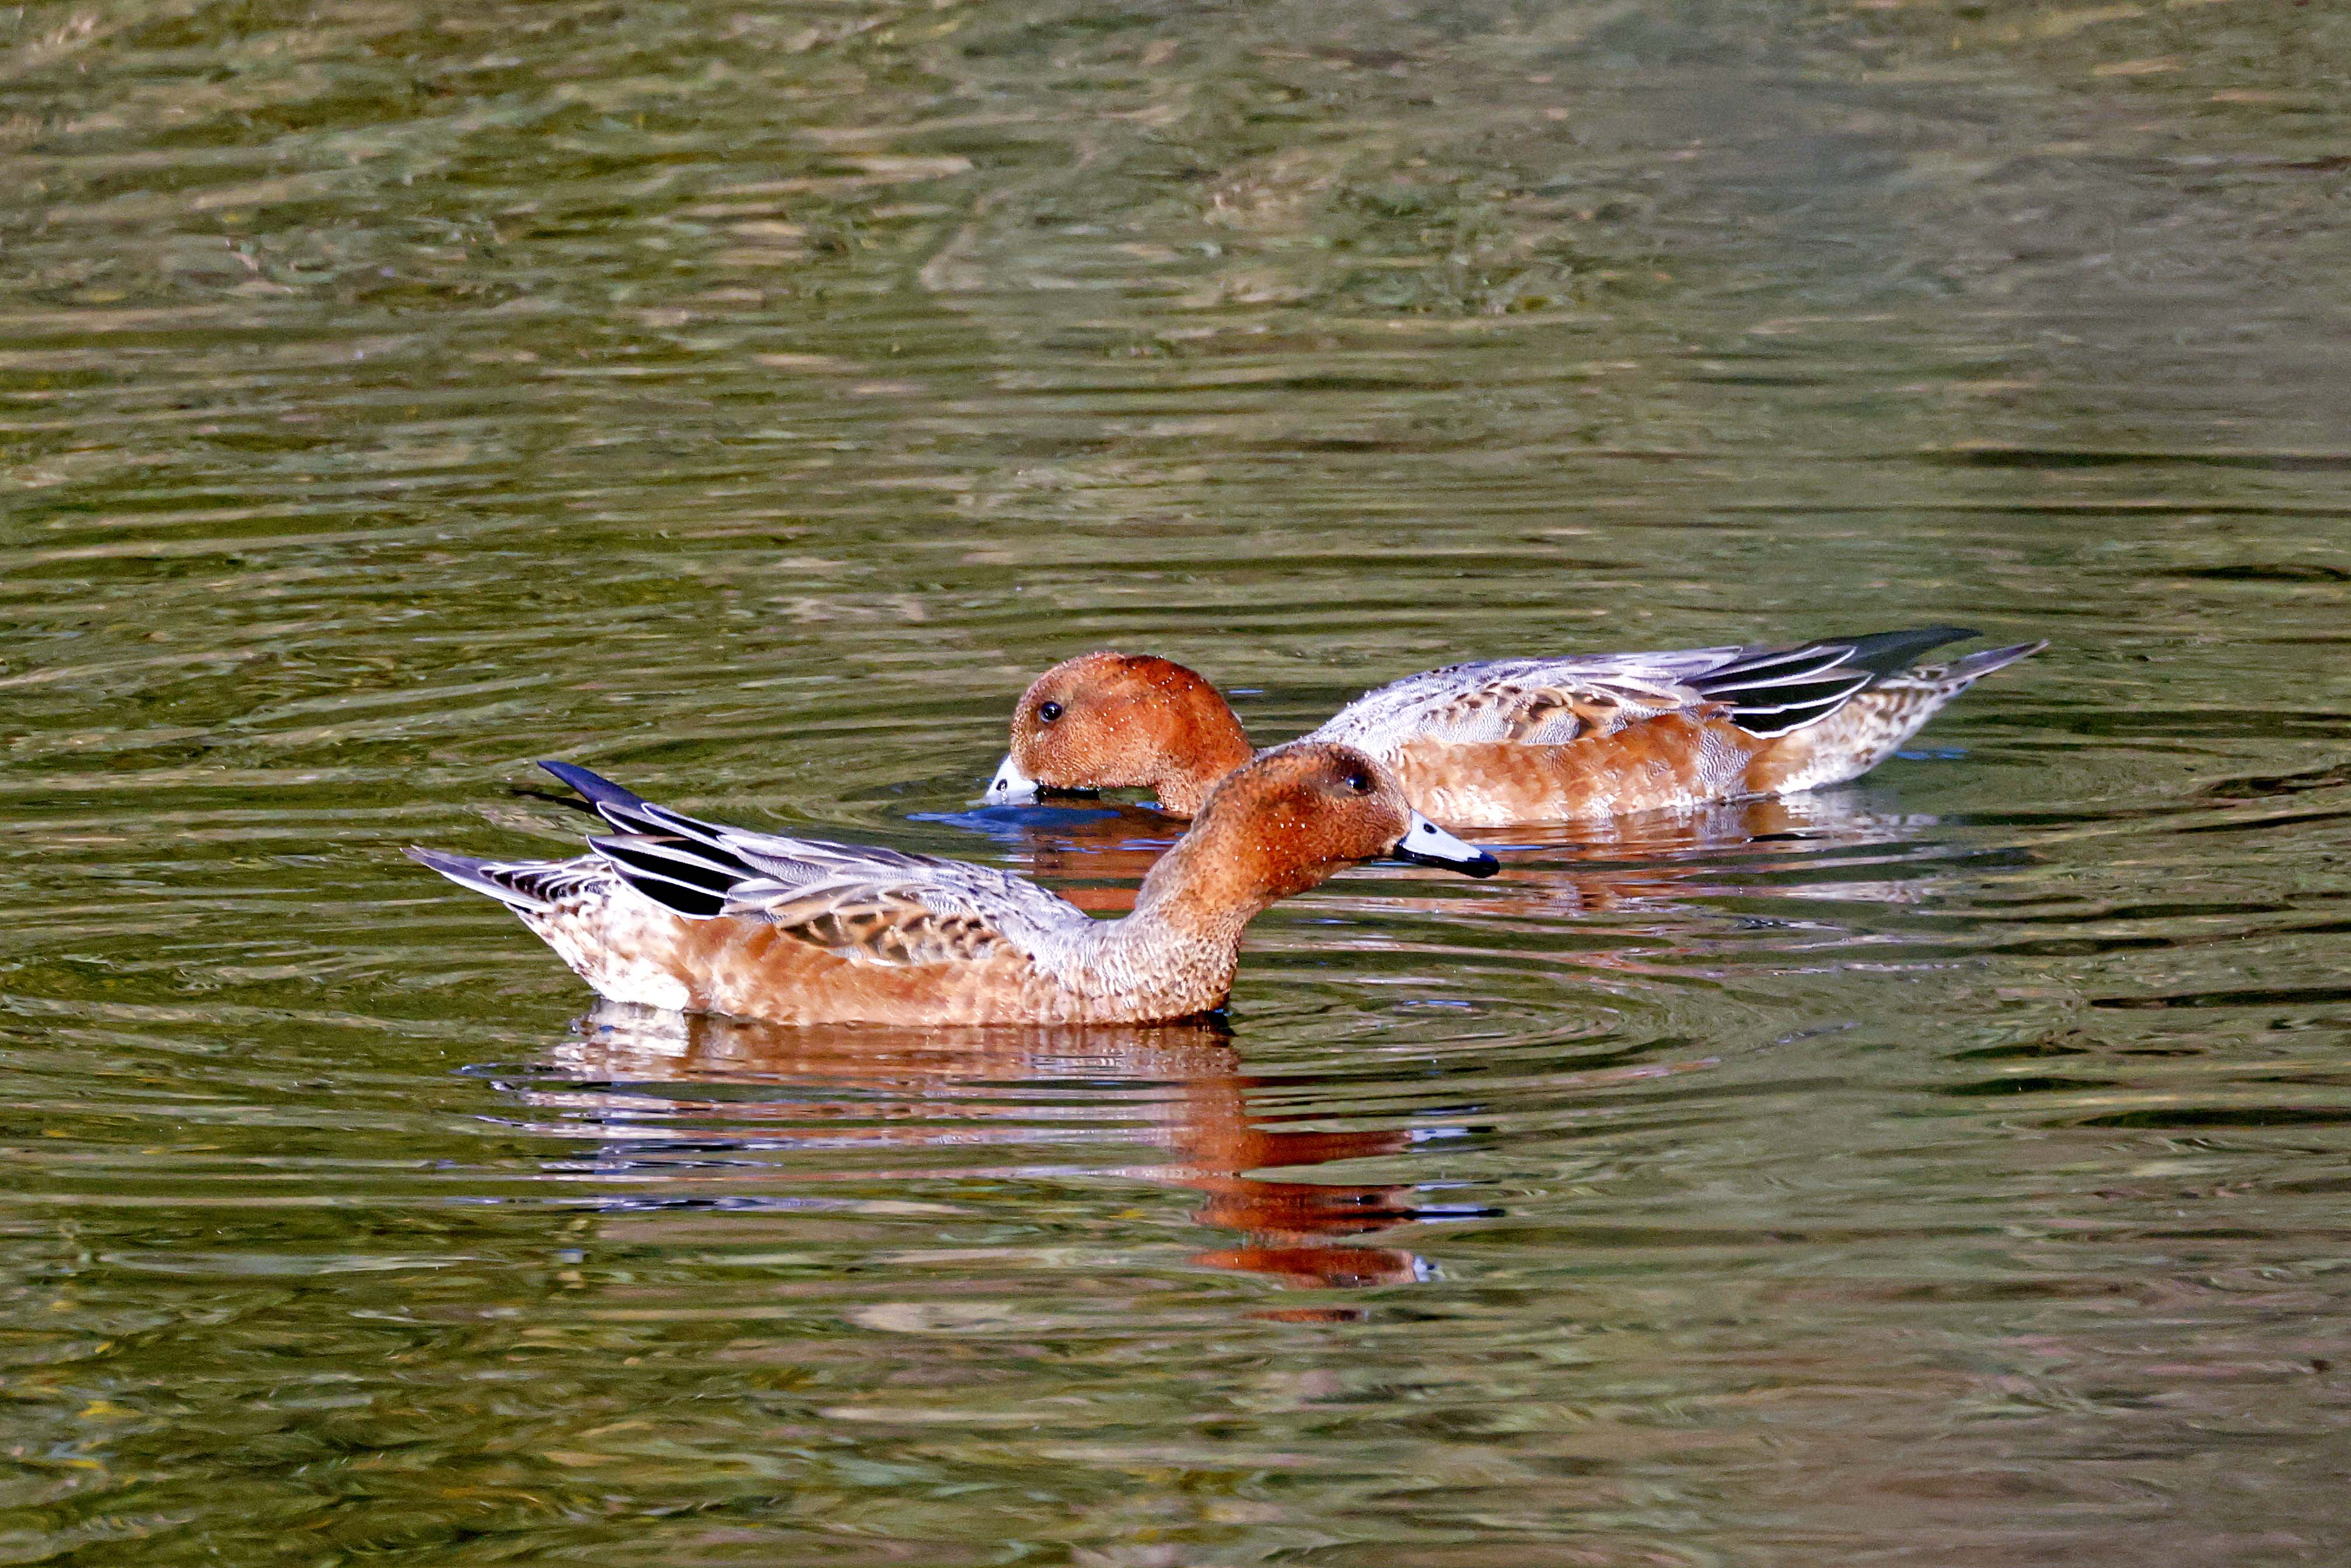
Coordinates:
676 913
1517 740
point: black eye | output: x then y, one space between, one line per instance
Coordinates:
1359 782
1048 712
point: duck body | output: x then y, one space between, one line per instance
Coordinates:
1524 740
676 913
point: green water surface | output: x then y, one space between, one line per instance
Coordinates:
745 400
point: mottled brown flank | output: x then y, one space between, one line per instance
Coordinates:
755 969
1671 761
891 924
1543 716
1129 722
1538 709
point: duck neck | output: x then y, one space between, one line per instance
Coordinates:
1200 892
1215 746
1183 942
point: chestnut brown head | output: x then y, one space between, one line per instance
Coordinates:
1297 814
1120 721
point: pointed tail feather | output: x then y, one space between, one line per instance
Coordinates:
1773 692
1965 672
1884 654
522 885
624 808
1866 731
632 813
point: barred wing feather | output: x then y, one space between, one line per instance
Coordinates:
860 902
1768 691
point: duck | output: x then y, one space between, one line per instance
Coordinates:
676 913
1505 741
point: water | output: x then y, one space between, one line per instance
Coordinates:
1947 1169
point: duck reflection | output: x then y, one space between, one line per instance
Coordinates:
672 1092
1095 854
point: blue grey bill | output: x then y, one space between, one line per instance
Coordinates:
1425 843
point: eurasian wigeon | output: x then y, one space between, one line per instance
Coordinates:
1520 740
675 913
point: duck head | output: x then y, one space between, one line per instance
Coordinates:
1295 816
1119 721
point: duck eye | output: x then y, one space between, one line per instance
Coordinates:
1359 782
1048 712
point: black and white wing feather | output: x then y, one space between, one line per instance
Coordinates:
860 902
1769 691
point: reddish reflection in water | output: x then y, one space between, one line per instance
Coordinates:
1095 858
652 1077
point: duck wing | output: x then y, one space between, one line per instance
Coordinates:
869 922
1767 690
859 902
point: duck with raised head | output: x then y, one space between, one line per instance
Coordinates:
677 913
1520 740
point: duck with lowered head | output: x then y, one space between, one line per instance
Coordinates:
1520 740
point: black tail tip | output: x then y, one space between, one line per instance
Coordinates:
1891 653
1975 666
595 786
